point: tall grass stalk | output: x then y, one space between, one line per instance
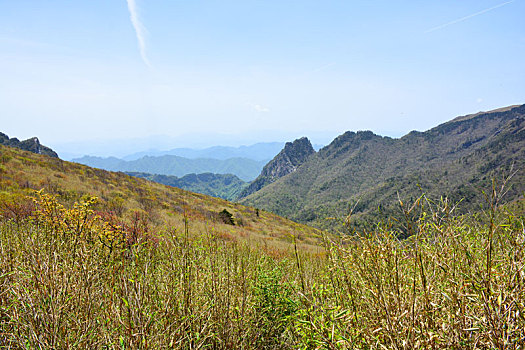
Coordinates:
454 282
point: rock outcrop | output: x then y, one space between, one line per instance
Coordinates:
31 145
287 161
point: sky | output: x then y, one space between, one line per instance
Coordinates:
203 73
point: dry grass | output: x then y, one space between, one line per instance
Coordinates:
24 172
69 279
64 287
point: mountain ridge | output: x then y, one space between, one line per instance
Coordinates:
125 197
362 166
225 186
32 145
245 169
261 151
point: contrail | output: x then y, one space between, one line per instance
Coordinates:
468 17
318 69
139 30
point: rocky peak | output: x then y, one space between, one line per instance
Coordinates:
292 156
32 145
287 161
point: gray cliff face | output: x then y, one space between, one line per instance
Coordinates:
287 161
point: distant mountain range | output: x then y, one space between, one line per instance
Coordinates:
230 187
31 145
245 162
121 196
259 151
226 186
360 170
366 171
244 168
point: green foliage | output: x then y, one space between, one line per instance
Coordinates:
73 274
455 282
61 289
319 325
273 304
224 186
455 159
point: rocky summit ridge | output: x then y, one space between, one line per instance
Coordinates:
287 161
458 159
32 145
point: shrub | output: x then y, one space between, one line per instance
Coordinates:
226 217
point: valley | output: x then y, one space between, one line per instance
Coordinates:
244 168
92 258
277 175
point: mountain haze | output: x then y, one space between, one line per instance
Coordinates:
262 151
246 169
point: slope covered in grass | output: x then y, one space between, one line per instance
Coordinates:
148 266
69 279
122 195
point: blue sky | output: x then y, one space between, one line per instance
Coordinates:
234 72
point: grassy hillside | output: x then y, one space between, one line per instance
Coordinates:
125 197
134 274
456 159
244 168
225 186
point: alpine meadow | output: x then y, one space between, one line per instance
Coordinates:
262 175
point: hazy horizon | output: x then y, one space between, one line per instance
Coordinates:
234 73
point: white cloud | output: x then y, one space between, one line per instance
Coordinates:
261 109
139 30
479 100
